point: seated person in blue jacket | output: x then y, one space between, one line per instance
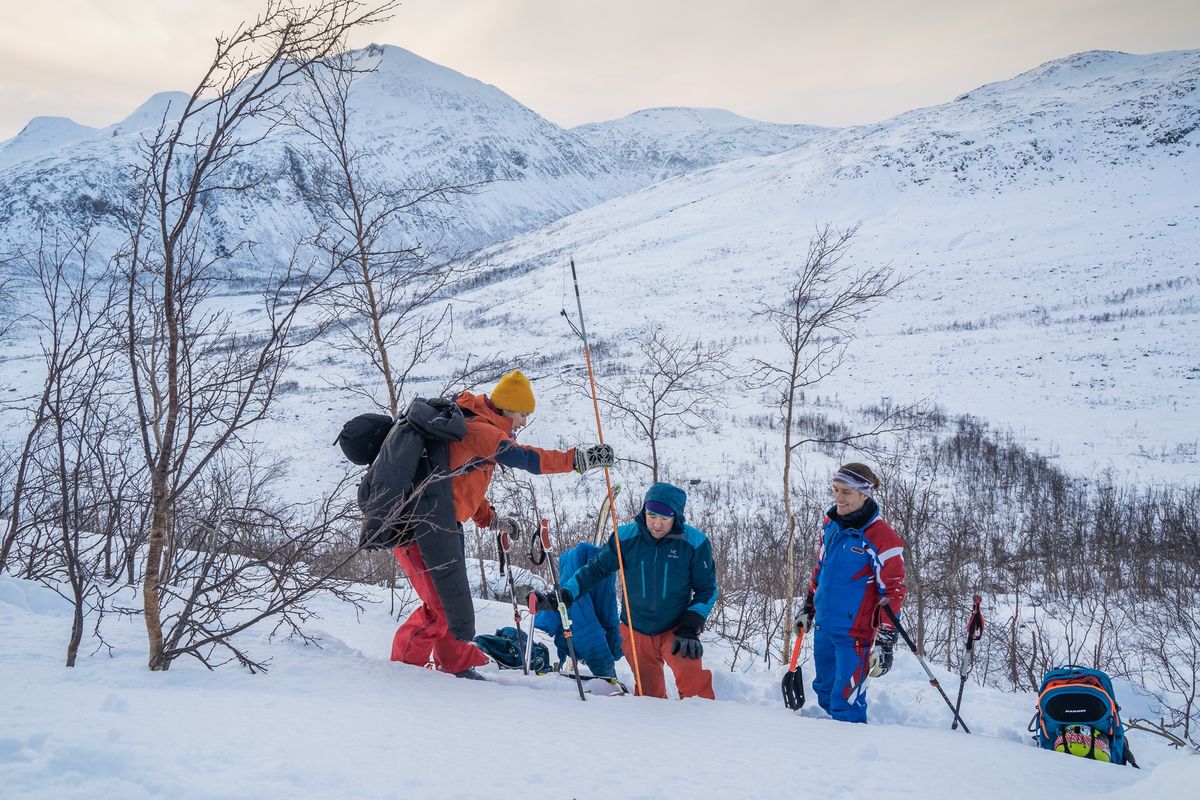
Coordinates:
670 589
594 622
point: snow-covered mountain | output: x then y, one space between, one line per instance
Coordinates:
671 141
416 118
1048 224
43 135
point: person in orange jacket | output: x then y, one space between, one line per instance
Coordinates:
491 421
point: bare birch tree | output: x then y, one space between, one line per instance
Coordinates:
385 305
199 383
674 385
816 321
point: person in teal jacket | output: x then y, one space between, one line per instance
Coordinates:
671 587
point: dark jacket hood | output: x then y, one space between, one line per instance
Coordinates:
437 418
856 520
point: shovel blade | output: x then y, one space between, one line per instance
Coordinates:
793 689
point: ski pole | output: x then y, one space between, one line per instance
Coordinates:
587 355
503 544
974 634
548 546
912 646
529 639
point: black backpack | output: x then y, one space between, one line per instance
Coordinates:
406 490
362 437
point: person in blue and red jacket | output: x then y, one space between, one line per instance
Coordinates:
671 585
444 625
860 568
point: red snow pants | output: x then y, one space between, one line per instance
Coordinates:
691 678
425 631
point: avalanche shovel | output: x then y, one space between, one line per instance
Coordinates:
793 679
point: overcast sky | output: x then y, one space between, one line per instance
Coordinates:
826 62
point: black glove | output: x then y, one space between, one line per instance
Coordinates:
547 601
881 654
592 456
504 524
804 619
687 636
687 644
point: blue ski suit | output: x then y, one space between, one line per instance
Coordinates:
861 560
595 629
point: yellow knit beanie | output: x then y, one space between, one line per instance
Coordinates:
513 393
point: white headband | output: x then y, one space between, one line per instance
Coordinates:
856 482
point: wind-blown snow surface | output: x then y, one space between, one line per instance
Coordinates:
1049 227
671 141
342 721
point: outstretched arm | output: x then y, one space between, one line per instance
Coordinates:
534 459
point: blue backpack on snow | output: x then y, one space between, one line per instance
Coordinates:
1077 713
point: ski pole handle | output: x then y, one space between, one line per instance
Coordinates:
544 532
887 608
532 601
564 615
975 624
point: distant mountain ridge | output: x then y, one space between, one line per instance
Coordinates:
419 121
1100 108
671 141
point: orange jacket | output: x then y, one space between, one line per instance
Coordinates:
489 441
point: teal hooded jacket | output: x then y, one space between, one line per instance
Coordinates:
665 578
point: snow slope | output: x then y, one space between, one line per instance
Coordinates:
342 721
671 141
1048 226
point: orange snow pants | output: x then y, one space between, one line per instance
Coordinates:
425 630
691 678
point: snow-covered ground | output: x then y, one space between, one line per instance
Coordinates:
342 721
